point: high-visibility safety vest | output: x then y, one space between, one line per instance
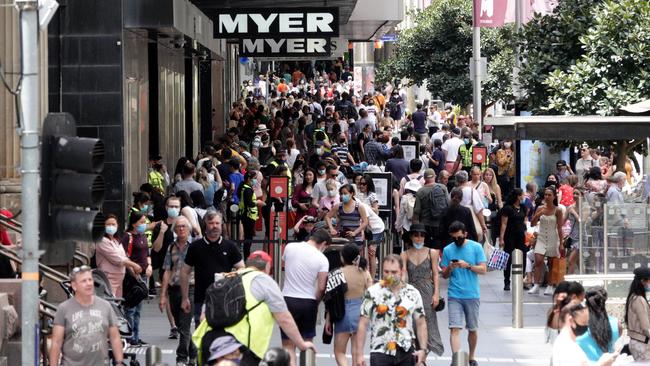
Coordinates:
250 212
466 155
255 329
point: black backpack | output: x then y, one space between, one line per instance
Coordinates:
439 200
225 301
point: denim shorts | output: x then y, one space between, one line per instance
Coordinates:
463 308
350 321
377 238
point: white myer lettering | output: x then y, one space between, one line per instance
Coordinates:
316 45
275 45
319 22
291 22
263 24
253 45
229 25
295 45
277 23
282 46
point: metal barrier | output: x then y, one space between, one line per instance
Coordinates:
277 255
460 358
308 358
517 271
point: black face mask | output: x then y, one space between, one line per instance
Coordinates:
550 183
580 329
459 241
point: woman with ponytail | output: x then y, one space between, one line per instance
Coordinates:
603 331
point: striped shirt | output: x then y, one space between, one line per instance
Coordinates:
350 221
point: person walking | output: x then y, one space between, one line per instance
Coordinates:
171 290
358 281
457 212
82 324
136 248
248 208
305 268
637 314
550 219
604 329
208 255
111 257
395 314
462 263
421 265
512 233
431 201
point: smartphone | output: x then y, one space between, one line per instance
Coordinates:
454 261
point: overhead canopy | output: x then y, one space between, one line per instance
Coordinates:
638 108
562 128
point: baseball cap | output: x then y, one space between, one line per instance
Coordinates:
223 346
429 173
260 254
243 145
456 131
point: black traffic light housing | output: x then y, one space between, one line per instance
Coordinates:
72 189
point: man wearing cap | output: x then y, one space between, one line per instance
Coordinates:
225 348
451 148
242 148
254 330
426 208
257 140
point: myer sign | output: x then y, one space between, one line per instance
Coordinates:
279 31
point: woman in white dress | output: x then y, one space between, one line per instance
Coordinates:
550 219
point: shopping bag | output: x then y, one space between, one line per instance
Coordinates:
497 260
488 248
558 270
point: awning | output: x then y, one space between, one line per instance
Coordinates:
638 108
562 128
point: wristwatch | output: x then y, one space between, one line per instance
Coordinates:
119 363
424 350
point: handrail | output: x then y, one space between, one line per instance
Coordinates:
48 272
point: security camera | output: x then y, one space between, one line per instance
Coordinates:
46 10
179 42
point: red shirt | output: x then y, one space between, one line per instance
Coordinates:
4 235
567 195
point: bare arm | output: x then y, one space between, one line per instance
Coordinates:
404 257
116 343
364 220
436 278
157 244
502 231
185 282
239 265
421 331
163 290
321 282
58 332
361 339
559 218
480 268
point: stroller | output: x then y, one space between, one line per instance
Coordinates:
103 290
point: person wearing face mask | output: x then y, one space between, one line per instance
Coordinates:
248 208
111 257
566 352
320 189
162 238
462 263
512 233
421 265
135 245
637 314
332 198
464 159
393 311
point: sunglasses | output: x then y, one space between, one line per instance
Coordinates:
77 270
417 234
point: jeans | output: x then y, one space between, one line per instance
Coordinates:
132 316
186 348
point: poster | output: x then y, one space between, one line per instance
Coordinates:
537 161
495 13
411 149
383 189
279 187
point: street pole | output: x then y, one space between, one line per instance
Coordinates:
517 272
29 171
516 89
476 52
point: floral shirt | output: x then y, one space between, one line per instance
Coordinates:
391 317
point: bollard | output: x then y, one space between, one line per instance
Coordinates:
517 271
153 356
308 358
460 358
234 225
277 257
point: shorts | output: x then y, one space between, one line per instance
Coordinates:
350 321
304 312
547 249
463 308
377 238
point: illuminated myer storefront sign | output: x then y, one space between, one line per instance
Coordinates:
279 31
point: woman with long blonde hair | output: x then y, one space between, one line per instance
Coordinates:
489 177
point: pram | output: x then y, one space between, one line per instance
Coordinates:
104 291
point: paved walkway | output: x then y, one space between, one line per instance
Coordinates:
499 344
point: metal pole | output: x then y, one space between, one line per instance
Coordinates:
30 161
277 266
517 271
460 358
153 356
605 242
308 358
476 45
581 264
516 90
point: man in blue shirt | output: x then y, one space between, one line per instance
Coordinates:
462 262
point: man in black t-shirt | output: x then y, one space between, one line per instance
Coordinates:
207 256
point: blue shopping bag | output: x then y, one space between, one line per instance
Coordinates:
498 260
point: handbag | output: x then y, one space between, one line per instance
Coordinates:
441 305
134 290
558 270
498 260
488 248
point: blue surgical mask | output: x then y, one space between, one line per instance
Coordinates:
144 208
254 181
173 212
647 289
523 201
110 230
466 141
140 229
334 221
345 198
321 171
418 245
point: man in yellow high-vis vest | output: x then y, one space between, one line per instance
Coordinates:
255 329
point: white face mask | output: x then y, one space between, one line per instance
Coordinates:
507 144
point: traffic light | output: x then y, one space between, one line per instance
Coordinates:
72 188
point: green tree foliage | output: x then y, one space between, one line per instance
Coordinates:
437 50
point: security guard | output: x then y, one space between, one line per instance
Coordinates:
465 151
248 211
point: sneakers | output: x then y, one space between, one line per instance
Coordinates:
506 287
534 290
192 362
173 333
473 363
549 290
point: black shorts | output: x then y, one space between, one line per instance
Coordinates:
304 312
